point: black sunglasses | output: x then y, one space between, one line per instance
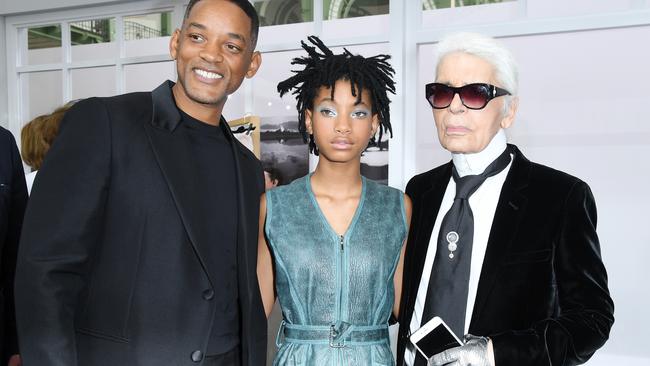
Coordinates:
473 96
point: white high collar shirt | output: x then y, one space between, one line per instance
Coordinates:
483 203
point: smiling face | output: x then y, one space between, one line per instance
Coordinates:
341 126
213 53
463 130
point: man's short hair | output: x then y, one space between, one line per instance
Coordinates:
244 5
488 49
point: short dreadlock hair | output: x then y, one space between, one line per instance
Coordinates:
324 69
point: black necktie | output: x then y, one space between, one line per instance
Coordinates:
449 281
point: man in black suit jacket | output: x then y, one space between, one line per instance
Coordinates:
13 199
537 289
139 244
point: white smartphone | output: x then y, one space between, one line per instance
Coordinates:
434 337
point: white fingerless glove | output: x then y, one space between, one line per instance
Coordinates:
473 353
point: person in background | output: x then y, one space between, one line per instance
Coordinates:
272 177
36 138
335 238
139 245
503 249
13 199
32 148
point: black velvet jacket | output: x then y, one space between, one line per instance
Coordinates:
542 295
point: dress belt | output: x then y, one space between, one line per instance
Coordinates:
336 335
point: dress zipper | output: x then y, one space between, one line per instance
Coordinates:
341 284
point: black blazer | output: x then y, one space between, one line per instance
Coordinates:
13 199
110 269
542 294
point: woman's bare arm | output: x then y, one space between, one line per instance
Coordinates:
265 263
400 265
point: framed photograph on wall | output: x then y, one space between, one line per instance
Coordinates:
247 131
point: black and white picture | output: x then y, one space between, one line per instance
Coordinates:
374 161
282 147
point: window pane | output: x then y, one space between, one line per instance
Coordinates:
276 12
560 8
147 47
146 77
461 14
339 9
43 45
93 39
93 82
147 26
147 34
41 100
442 4
287 34
359 27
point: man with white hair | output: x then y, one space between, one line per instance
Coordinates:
504 250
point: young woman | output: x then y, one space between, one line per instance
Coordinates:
331 243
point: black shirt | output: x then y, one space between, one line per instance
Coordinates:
215 177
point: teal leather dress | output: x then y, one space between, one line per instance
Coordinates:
336 291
